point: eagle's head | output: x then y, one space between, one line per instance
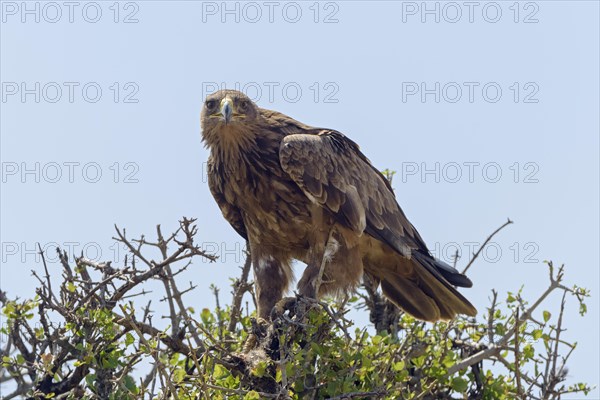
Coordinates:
226 113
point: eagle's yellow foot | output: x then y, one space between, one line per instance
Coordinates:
259 331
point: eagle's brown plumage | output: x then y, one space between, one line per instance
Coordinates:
298 192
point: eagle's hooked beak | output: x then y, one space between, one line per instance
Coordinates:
226 109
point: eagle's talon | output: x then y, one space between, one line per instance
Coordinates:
297 306
250 344
283 305
259 332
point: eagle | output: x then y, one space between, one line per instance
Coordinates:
297 192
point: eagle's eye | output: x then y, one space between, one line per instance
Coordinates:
210 104
243 106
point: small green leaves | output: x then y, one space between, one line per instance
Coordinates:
318 354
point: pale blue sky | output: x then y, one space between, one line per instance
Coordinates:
363 73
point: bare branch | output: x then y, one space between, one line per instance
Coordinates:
508 222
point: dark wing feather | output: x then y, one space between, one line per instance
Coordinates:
230 212
330 168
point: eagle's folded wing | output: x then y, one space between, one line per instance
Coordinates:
330 169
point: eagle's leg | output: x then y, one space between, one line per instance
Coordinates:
308 286
344 267
271 277
314 274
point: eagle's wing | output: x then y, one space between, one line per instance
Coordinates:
332 171
230 212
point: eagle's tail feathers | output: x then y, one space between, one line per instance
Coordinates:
451 274
428 297
409 297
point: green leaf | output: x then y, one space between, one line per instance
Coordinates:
528 351
179 375
9 309
206 316
71 287
398 366
459 384
260 369
130 385
174 359
89 379
547 315
252 395
39 333
129 339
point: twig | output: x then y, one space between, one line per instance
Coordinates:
353 395
241 392
508 222
494 349
49 282
491 317
241 286
161 368
517 355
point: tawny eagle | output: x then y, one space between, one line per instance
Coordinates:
298 192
